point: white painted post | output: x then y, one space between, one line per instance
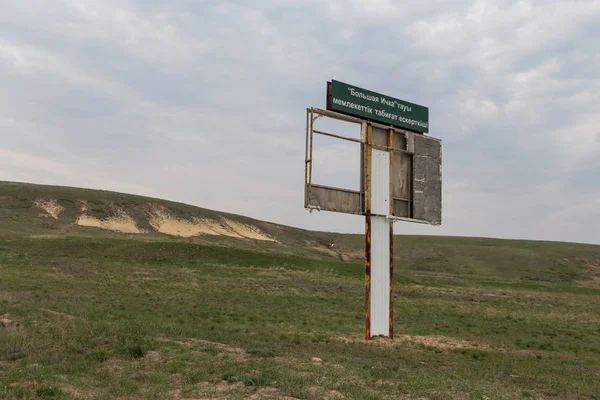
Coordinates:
380 244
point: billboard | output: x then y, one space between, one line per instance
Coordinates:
400 180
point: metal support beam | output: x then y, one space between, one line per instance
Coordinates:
378 251
391 239
380 243
367 191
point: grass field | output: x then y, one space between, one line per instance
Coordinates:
90 315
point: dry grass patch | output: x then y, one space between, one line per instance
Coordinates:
7 323
228 390
438 341
268 393
238 353
8 297
321 393
594 268
59 314
442 342
13 339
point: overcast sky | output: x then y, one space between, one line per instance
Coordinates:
204 102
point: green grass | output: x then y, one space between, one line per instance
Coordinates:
107 318
93 315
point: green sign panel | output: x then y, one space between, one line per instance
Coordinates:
363 103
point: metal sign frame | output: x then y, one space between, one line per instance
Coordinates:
378 200
328 198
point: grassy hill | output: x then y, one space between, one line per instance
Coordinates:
249 309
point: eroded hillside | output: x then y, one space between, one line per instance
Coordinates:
51 211
40 211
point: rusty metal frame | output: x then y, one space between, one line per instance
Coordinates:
343 117
312 114
367 153
307 161
337 136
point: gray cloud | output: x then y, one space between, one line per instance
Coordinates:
204 102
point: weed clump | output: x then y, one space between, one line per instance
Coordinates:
50 393
135 351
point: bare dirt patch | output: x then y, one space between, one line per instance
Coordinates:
226 390
321 393
163 222
153 356
22 384
268 393
7 323
51 208
119 223
248 231
77 393
59 314
442 342
210 391
594 268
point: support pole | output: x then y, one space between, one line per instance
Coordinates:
380 276
391 223
391 328
367 277
378 245
367 189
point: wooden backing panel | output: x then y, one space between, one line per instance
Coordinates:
401 208
379 137
400 175
334 199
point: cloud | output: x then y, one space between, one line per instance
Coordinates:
205 102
